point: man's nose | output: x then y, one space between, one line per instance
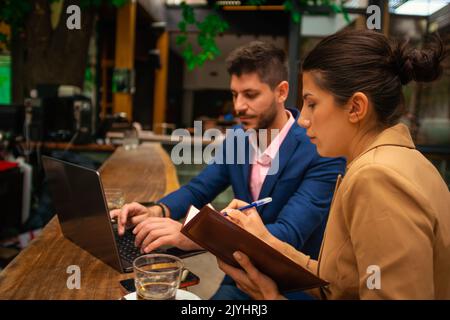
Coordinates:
240 104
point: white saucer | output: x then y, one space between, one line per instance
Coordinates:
181 295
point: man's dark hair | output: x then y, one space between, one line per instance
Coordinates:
268 61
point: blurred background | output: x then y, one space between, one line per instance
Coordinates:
76 77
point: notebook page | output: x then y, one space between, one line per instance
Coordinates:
193 212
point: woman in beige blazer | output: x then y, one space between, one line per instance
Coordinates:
388 231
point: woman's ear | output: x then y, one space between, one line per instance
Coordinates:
358 107
283 91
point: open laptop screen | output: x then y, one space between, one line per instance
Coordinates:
77 195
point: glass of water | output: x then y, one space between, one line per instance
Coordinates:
157 276
130 139
114 198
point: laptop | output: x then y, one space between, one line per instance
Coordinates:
83 214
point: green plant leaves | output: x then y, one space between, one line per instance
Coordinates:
118 3
213 24
13 13
208 29
334 5
188 13
180 39
296 16
3 39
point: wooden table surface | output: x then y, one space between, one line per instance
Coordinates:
72 147
40 270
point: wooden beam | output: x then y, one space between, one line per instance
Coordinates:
386 19
360 23
124 57
160 88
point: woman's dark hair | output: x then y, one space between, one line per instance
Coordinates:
268 61
366 61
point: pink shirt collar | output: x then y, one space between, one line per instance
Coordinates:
271 151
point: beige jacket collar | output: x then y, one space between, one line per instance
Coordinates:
397 135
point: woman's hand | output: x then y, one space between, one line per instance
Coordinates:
248 220
250 280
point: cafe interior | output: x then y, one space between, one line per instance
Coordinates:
107 86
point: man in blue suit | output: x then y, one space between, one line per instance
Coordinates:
289 170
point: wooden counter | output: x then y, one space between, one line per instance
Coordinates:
40 270
71 147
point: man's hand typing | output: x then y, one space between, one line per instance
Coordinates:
132 214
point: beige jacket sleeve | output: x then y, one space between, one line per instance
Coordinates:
300 258
391 230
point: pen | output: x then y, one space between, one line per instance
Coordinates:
254 204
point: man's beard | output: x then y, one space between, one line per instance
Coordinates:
267 118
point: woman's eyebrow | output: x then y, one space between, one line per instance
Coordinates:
306 94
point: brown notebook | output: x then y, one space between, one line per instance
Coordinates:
215 233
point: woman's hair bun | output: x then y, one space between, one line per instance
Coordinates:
422 65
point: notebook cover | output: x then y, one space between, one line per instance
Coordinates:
212 231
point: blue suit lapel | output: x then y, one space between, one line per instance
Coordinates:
246 171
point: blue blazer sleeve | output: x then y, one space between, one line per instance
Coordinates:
202 189
308 208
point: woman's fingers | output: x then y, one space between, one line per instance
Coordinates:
247 265
236 203
241 278
258 285
236 214
237 217
237 274
250 212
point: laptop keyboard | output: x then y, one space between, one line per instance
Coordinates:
128 251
